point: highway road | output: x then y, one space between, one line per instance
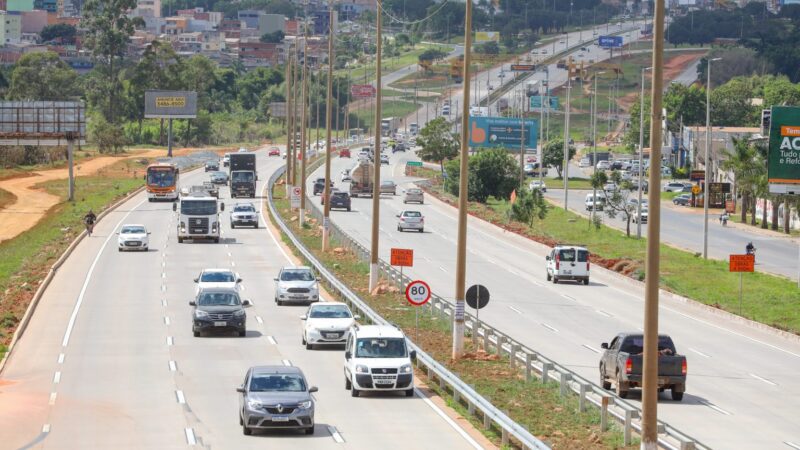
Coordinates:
742 386
683 227
109 360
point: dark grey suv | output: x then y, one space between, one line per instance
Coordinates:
340 200
276 397
219 310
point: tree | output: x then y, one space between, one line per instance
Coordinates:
402 40
60 32
553 154
438 142
497 173
631 138
276 37
42 76
429 56
530 205
488 48
598 181
731 106
683 104
617 201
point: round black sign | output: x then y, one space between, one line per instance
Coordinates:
477 296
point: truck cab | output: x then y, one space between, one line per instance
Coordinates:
243 176
198 217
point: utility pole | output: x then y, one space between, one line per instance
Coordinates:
565 172
295 96
326 221
376 188
707 176
594 141
641 156
650 370
545 101
521 139
461 251
304 129
289 121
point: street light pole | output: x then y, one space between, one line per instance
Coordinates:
706 177
565 172
289 114
303 133
641 156
594 141
376 188
461 252
326 221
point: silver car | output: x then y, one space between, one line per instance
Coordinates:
244 214
414 195
410 220
273 397
296 284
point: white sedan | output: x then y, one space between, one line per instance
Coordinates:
133 237
327 323
217 279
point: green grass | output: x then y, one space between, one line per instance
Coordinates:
411 56
391 108
6 198
574 183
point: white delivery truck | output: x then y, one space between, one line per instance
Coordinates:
198 216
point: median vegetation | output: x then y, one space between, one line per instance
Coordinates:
536 406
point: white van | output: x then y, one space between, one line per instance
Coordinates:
591 202
568 262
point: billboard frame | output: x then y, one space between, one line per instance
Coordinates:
174 104
783 157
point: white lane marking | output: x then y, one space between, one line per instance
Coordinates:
338 437
514 309
272 340
762 379
163 264
164 302
61 358
77 307
715 407
163 288
792 444
170 340
229 254
536 283
602 313
569 297
52 400
233 264
179 396
514 272
699 353
491 261
173 366
166 320
163 274
286 363
591 348
46 428
442 269
549 327
447 419
57 378
190 439
241 286
226 245
259 319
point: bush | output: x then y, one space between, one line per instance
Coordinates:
109 138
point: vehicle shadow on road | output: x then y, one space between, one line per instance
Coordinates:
321 430
250 334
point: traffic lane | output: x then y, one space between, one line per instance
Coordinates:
606 335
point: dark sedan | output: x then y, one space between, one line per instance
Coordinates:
212 166
319 186
682 200
219 310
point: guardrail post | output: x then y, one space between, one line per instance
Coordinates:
512 360
687 445
604 413
582 398
500 341
565 377
546 368
486 341
476 326
456 397
504 435
528 363
487 421
629 415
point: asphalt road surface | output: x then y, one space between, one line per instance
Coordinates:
742 388
109 360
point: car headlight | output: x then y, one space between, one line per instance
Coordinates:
198 313
361 369
406 368
305 405
254 404
239 313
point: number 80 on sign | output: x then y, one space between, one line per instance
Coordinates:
418 292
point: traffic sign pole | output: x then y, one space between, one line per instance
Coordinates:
418 293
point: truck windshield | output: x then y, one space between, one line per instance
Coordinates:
381 348
161 178
242 177
198 207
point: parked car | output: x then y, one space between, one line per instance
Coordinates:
327 323
410 220
217 279
675 187
682 200
340 200
344 153
388 187
567 262
414 195
296 284
133 237
642 216
219 310
621 365
244 214
212 166
610 187
603 165
276 397
595 202
536 184
384 159
274 151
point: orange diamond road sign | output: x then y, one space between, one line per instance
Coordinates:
742 263
403 257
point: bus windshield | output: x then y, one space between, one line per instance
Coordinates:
161 177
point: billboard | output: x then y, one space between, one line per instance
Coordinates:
549 100
783 162
42 122
486 36
610 41
362 91
170 104
504 132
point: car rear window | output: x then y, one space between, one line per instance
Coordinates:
412 214
567 255
635 344
583 255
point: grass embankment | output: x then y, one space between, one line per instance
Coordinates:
391 108
768 299
27 258
536 406
364 75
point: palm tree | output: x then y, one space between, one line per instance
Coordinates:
740 161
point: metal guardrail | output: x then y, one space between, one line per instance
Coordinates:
532 362
476 404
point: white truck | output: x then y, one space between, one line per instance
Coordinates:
390 125
198 217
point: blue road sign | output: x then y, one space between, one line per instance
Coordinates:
504 132
610 41
551 101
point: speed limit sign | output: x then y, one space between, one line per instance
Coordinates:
418 293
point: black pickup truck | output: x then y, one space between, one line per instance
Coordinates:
622 361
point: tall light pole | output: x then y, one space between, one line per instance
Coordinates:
641 156
303 133
289 114
594 141
326 221
706 177
461 251
376 187
565 172
650 369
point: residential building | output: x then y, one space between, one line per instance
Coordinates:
19 5
249 17
148 8
33 21
256 54
10 27
321 21
270 23
694 141
50 6
353 8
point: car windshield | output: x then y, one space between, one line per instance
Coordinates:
217 277
211 164
297 275
198 207
412 214
381 348
219 175
388 183
277 383
133 230
330 312
245 208
218 299
161 178
242 176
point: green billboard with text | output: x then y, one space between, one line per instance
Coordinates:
783 166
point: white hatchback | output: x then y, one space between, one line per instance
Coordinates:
133 237
217 279
327 323
410 220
